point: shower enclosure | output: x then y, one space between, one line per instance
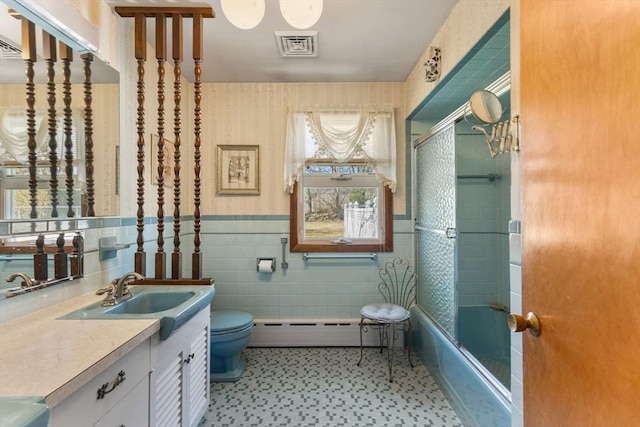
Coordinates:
462 246
482 216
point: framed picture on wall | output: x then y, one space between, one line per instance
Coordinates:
168 149
238 169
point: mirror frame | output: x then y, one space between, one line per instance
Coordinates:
486 106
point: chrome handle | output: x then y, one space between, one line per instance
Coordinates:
105 290
105 389
518 323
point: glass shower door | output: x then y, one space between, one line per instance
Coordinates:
435 227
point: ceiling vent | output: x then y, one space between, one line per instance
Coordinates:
297 44
9 51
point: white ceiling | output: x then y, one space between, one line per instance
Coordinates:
358 41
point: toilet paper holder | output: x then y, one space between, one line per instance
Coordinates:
265 265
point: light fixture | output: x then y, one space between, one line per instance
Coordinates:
61 21
247 14
301 14
244 14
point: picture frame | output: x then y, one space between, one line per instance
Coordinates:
238 169
169 150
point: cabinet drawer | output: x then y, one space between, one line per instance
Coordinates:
132 411
83 408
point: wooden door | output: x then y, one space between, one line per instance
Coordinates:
580 97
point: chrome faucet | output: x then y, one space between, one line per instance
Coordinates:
27 282
117 291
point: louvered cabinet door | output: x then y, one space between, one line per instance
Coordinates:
179 386
168 391
197 375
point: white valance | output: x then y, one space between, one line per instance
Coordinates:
367 135
14 138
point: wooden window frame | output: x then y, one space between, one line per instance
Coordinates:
385 246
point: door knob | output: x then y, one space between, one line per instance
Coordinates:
518 323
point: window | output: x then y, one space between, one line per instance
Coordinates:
340 170
14 172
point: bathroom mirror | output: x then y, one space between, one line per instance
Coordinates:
13 182
486 106
14 174
61 256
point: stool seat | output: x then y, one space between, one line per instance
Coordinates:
385 312
227 322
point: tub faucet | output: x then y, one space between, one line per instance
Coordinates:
117 291
27 282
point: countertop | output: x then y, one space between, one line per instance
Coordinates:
41 355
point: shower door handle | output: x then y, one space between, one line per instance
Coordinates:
518 323
451 233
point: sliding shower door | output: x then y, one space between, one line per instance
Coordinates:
435 227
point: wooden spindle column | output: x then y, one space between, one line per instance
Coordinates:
77 256
140 258
161 57
176 45
40 261
60 259
50 56
66 55
29 57
196 258
87 58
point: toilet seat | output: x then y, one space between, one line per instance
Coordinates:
228 322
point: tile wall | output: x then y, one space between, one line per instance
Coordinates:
313 289
482 214
318 289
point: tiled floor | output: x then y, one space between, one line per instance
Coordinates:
324 387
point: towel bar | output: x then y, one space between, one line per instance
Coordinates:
307 256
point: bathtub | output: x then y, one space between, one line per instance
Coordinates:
485 334
475 399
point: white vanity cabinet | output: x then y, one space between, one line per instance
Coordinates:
157 383
118 396
179 382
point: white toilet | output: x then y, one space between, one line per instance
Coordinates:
230 334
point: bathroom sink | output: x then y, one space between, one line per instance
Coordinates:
172 304
150 302
23 412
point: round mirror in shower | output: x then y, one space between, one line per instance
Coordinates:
486 106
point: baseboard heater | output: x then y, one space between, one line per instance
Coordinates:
313 333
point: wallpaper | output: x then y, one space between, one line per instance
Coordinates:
255 114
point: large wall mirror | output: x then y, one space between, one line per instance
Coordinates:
14 175
15 197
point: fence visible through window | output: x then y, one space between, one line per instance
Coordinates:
360 221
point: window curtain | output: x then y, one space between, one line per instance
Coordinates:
341 136
14 138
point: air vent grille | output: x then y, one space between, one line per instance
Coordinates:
297 44
9 51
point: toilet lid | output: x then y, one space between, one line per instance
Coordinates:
228 321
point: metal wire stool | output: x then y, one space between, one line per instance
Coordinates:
398 289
